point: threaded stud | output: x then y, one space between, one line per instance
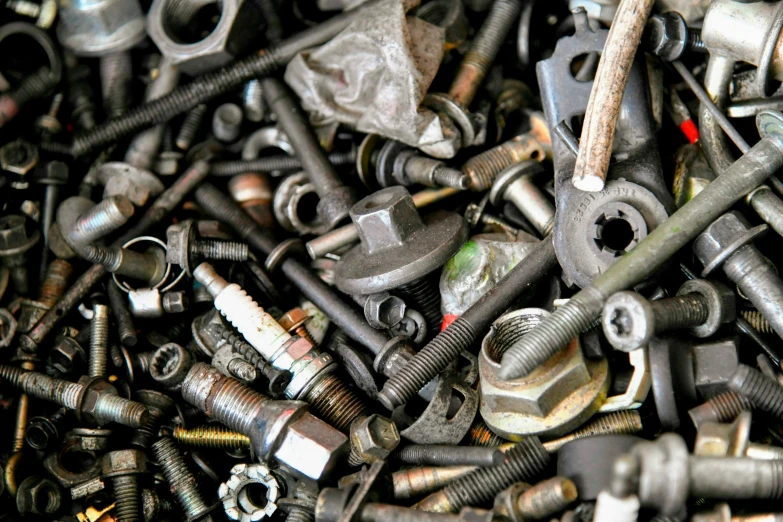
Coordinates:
99 341
213 437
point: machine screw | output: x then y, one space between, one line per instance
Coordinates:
214 437
123 468
444 455
106 405
181 480
722 408
763 392
186 249
523 462
557 330
144 266
119 307
99 341
515 184
483 168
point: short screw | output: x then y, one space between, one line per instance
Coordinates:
119 306
763 392
109 407
524 462
190 126
722 408
484 168
213 437
99 341
182 482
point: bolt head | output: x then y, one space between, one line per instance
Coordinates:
374 438
628 321
666 35
178 240
124 462
385 219
311 447
18 157
16 235
384 310
39 496
722 234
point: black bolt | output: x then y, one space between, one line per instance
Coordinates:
55 175
444 455
763 392
44 432
119 307
274 163
669 37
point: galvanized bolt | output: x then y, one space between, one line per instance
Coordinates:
99 341
515 184
557 330
96 402
181 480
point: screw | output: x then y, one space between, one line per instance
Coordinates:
483 168
445 455
124 477
108 406
145 266
757 321
208 86
115 71
122 316
336 199
431 172
99 341
515 184
160 407
524 462
460 334
190 126
410 483
762 391
557 330
181 480
295 322
55 282
213 437
543 500
32 87
625 422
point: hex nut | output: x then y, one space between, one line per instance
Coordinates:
124 462
100 27
311 447
555 398
235 495
18 157
168 22
39 496
374 438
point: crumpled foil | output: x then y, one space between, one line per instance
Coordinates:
374 74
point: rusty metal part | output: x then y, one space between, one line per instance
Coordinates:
410 483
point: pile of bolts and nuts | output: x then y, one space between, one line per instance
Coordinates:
391 260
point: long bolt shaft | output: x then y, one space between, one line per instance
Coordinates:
557 330
183 483
99 341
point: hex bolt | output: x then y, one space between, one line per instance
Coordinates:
99 341
181 481
722 408
186 249
410 483
523 462
107 405
160 408
336 199
277 429
43 433
728 244
119 307
123 468
557 330
630 321
484 168
463 332
16 239
190 126
220 207
444 455
515 184
213 437
763 392
147 266
667 36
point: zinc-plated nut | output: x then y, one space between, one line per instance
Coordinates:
169 24
39 496
238 503
555 398
99 27
374 438
124 462
383 310
18 157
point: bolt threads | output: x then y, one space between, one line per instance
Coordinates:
12 375
722 408
757 321
427 363
222 250
127 498
683 311
694 42
424 296
103 218
444 455
235 405
763 392
483 168
113 408
115 70
447 177
119 307
181 480
551 335
625 422
55 282
523 463
546 498
212 437
333 401
481 435
44 387
109 257
99 341
297 514
190 126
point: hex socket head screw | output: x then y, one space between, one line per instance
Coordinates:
568 321
283 430
95 401
629 320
